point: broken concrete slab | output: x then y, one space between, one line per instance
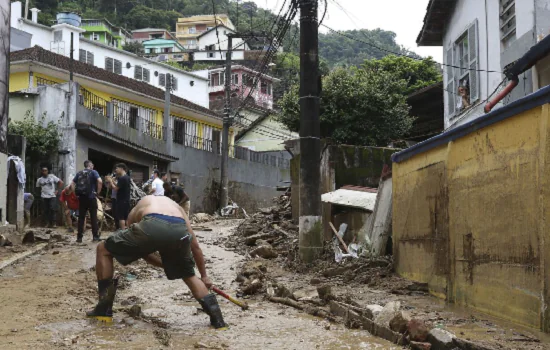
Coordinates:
389 311
418 331
420 346
441 339
372 311
378 228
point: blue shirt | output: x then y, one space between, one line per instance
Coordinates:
94 175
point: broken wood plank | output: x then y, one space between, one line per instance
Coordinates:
339 238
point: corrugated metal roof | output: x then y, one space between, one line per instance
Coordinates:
351 198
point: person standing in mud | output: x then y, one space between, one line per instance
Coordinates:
122 188
47 182
156 224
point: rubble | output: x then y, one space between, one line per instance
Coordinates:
441 339
418 331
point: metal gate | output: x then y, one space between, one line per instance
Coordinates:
33 173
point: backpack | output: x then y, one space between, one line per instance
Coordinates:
83 186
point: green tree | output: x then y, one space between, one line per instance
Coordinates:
42 138
358 107
417 73
134 47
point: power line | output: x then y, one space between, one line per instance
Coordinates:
216 24
405 55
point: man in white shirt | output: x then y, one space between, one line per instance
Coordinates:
157 187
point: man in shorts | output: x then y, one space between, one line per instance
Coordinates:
155 224
122 188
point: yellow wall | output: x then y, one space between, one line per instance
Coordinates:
19 81
469 218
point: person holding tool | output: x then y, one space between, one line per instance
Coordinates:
156 224
122 188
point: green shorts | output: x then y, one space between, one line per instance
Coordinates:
152 234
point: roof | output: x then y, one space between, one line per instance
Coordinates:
27 21
214 28
145 30
526 103
163 42
351 198
437 16
143 58
41 55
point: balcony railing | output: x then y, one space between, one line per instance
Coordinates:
43 82
93 102
131 118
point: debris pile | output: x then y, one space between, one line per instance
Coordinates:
269 233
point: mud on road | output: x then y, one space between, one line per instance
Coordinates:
45 296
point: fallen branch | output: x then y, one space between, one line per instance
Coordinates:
314 311
287 302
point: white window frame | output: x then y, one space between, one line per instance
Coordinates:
192 30
86 56
462 66
95 37
235 79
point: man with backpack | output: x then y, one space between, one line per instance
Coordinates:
87 185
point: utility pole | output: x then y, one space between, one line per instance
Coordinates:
71 61
166 119
27 9
224 195
311 233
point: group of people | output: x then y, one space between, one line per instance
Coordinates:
158 223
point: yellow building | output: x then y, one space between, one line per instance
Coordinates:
471 208
109 118
188 29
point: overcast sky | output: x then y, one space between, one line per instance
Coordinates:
404 17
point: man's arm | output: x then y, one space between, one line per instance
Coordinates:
99 183
152 188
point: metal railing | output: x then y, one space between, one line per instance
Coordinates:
181 138
258 157
154 130
43 82
92 102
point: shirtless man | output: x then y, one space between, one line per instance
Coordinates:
155 224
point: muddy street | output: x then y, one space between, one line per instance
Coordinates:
46 295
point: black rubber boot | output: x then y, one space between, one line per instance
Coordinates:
210 305
104 308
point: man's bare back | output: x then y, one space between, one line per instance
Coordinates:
156 205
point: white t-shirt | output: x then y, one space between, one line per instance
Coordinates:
158 186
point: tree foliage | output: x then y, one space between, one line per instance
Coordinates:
134 47
417 73
43 138
358 106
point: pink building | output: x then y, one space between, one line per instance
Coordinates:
242 81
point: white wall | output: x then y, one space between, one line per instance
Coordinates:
211 39
198 93
216 56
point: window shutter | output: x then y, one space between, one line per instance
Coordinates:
146 75
138 73
57 36
474 61
451 91
82 55
109 64
162 79
174 83
90 58
118 67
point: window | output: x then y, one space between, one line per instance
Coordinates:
507 21
248 80
174 83
192 30
235 79
134 116
141 73
57 36
217 79
191 42
179 130
156 36
162 79
266 88
112 65
167 50
86 57
211 54
462 76
95 37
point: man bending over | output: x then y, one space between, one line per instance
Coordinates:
155 224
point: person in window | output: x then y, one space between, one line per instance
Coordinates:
122 188
464 93
47 182
157 187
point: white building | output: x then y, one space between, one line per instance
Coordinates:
191 86
213 46
480 39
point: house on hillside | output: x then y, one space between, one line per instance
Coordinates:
191 86
213 46
188 29
103 31
145 34
481 40
165 50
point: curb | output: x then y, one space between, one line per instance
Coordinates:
23 255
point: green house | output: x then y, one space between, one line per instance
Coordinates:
159 46
106 33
